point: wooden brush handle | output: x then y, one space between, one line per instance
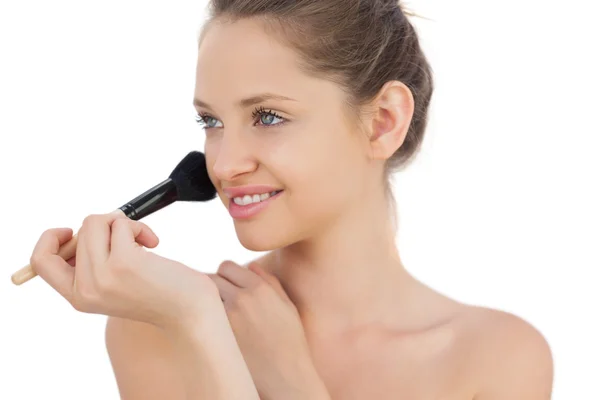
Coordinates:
66 252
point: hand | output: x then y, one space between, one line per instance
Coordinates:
269 331
113 274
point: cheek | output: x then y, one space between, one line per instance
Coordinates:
211 152
320 171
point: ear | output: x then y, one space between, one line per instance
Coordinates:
393 111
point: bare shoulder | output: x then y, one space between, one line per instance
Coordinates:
510 358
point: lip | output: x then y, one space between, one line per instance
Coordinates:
241 191
244 212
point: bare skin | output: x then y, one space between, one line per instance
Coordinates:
374 331
448 350
411 353
434 348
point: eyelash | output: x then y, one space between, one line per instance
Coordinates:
258 112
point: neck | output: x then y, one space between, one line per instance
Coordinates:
349 274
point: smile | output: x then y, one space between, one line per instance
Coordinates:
256 198
251 205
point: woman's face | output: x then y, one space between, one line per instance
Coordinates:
299 142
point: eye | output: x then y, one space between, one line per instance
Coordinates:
266 118
206 121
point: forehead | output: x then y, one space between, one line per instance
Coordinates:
242 54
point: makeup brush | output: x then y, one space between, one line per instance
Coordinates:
189 181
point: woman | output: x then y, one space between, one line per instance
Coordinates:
307 108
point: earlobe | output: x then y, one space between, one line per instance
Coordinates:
390 122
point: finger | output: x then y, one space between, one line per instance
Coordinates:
239 276
95 236
270 278
126 233
72 261
93 249
46 242
227 290
46 262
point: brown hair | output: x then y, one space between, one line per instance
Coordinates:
360 45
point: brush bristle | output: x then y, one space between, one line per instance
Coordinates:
192 180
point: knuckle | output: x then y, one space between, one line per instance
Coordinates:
120 223
220 269
47 233
138 224
36 260
91 220
224 266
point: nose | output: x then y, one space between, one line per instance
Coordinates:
233 157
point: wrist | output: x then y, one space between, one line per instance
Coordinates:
201 321
302 383
209 358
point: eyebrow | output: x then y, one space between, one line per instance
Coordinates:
248 101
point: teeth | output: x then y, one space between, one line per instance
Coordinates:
257 198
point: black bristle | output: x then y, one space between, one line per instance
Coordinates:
192 180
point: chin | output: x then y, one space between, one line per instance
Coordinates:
256 242
260 240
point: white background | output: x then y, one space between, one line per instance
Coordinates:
500 210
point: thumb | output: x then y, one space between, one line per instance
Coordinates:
125 232
51 267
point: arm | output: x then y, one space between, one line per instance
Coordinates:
150 364
210 360
143 361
